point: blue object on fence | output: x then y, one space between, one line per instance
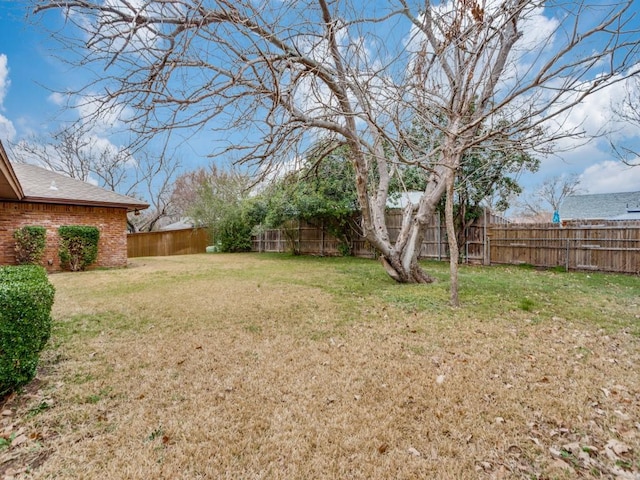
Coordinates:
556 217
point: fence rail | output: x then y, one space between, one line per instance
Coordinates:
606 246
171 242
607 255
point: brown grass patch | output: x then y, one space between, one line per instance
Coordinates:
225 366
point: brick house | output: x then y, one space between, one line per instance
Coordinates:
30 195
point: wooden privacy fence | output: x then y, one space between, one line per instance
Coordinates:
170 242
310 239
307 239
608 246
315 240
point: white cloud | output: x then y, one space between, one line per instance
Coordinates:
537 29
7 130
57 98
101 115
92 181
610 177
538 34
4 78
595 115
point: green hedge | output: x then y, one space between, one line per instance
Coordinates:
78 246
30 244
26 298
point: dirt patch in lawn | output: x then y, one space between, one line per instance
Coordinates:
222 367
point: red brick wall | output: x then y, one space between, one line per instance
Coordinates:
112 223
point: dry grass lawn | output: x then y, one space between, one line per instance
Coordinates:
274 367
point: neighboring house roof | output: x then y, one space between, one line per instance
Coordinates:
602 206
402 200
627 216
30 183
182 224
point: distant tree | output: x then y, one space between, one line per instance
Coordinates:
76 154
184 191
154 181
629 111
548 197
215 198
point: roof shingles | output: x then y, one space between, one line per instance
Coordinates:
41 185
602 206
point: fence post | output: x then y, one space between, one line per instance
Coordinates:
438 239
484 237
566 266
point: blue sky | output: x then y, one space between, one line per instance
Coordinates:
30 73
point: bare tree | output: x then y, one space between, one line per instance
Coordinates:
629 111
75 154
154 177
548 196
360 74
65 152
185 188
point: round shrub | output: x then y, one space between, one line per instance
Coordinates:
78 246
30 244
26 298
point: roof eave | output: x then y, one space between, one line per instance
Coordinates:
131 207
10 175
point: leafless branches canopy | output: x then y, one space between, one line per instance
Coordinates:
629 112
275 77
548 196
79 155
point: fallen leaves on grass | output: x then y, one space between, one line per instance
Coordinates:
298 383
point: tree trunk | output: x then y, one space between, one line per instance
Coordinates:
400 258
453 243
396 270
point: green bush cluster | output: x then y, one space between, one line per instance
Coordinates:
30 244
78 246
26 298
233 233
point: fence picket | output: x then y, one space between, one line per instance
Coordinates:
165 243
